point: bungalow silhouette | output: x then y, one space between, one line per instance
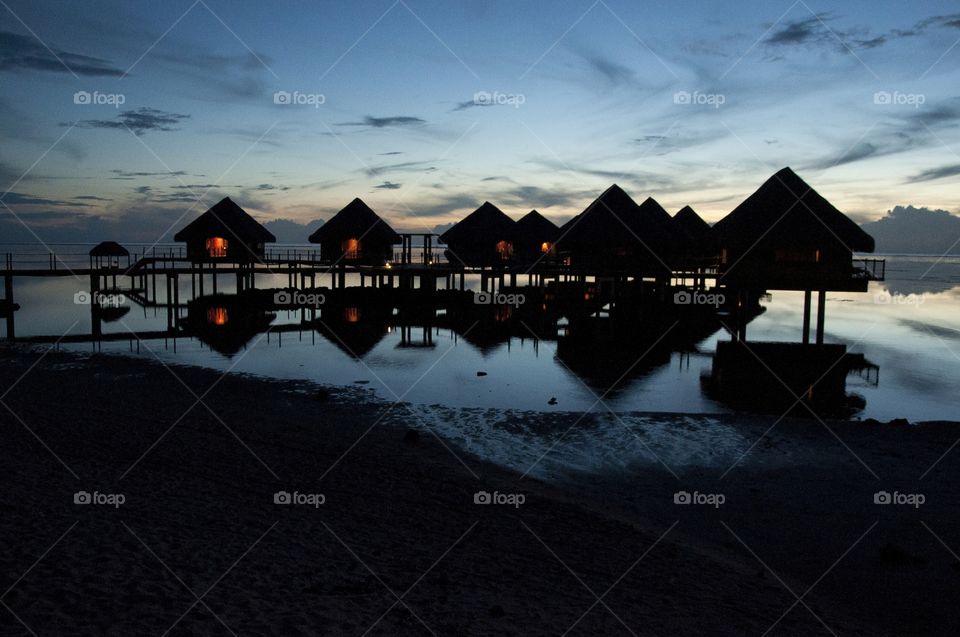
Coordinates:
225 232
786 236
485 237
356 236
536 236
697 240
616 233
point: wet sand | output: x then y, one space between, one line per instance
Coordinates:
399 546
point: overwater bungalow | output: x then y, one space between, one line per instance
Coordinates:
356 236
227 233
615 233
536 236
485 237
787 236
697 240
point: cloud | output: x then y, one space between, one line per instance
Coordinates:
406 166
17 198
801 31
613 72
392 152
394 121
139 121
936 173
462 106
24 53
123 174
388 185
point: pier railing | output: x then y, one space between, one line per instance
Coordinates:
870 269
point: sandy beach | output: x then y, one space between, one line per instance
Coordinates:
377 530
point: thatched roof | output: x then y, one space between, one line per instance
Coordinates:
357 220
614 218
109 249
225 219
689 224
786 211
536 228
485 225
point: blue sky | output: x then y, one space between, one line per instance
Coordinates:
429 107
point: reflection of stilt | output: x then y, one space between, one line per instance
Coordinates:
806 316
8 302
821 314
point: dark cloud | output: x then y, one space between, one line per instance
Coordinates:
123 174
91 198
613 72
462 106
405 167
814 30
536 197
17 198
392 152
388 185
139 121
936 173
387 122
25 53
801 31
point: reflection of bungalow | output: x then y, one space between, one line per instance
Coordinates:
615 232
485 237
787 236
356 234
696 237
535 237
225 232
227 322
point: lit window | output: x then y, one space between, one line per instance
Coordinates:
351 314
351 248
217 316
545 247
504 249
216 247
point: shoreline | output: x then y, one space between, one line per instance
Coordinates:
202 494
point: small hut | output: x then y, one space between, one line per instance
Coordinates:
356 235
107 255
697 241
485 237
225 232
615 233
535 237
787 236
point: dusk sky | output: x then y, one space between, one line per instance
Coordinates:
431 107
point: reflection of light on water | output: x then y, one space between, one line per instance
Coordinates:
351 314
217 316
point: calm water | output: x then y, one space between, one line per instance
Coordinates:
908 326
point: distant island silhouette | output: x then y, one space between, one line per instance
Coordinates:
910 230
